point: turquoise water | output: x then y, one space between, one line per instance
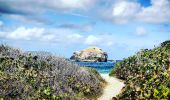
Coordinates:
102 67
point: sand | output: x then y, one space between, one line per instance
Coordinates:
112 88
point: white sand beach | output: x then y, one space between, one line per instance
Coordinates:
112 88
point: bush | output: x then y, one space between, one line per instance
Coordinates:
146 74
27 76
96 73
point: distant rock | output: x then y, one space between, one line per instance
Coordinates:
92 54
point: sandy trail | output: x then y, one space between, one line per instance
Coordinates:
113 87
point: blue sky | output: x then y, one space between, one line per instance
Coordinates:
119 27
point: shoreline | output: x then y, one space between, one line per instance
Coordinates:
113 87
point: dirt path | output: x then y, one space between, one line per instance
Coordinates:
113 87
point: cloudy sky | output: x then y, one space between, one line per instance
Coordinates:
119 27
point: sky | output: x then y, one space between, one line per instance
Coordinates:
119 27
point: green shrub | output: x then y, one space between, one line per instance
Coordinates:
96 73
27 76
146 74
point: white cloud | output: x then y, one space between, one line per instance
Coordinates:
81 4
92 40
117 11
157 13
99 40
140 31
59 36
83 27
1 23
3 34
64 36
109 43
32 11
75 36
125 11
65 4
28 20
39 6
48 37
26 33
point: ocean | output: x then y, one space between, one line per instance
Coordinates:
101 67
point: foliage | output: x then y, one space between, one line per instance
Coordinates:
146 74
96 73
27 76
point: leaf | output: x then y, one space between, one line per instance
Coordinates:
156 92
1 98
47 91
88 90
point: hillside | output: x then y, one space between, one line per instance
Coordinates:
147 74
27 77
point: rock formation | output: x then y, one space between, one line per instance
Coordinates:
92 54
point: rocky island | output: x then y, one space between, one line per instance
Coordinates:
91 54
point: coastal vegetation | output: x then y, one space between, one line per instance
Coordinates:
146 74
27 76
